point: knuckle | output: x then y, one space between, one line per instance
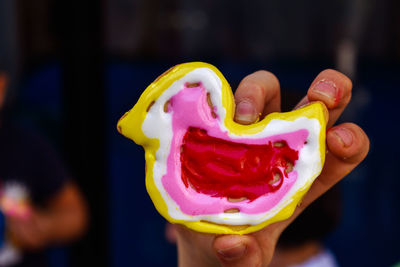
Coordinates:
267 74
250 91
269 79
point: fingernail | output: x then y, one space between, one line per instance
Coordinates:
345 136
245 112
233 253
326 88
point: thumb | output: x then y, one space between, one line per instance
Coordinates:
237 251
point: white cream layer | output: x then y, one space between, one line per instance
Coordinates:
158 124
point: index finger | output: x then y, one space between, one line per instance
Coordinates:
258 94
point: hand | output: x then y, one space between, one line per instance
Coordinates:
63 219
30 232
347 145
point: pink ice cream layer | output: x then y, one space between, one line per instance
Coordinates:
189 108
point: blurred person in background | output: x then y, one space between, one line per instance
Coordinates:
40 203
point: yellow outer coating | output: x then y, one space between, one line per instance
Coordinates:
130 125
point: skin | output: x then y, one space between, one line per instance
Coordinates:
347 145
62 219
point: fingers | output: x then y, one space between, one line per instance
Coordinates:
347 145
257 94
196 249
333 89
237 250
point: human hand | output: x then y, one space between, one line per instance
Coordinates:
347 146
29 232
62 220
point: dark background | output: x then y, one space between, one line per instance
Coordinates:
76 67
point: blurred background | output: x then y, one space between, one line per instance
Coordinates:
75 67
